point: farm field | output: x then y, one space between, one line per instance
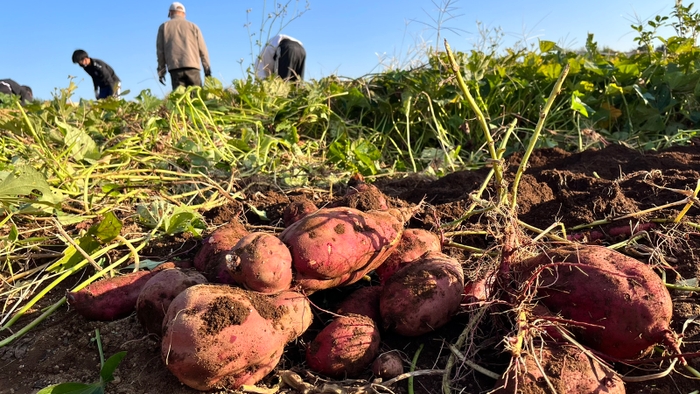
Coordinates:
501 154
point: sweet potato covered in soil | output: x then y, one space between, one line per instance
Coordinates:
362 196
157 294
297 209
338 246
626 305
363 301
568 369
223 337
260 262
210 260
345 347
414 243
423 295
112 298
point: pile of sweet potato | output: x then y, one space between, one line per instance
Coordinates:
228 323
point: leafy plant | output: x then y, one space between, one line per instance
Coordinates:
107 369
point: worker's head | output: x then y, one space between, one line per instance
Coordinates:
176 9
81 57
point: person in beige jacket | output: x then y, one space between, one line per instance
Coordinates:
180 47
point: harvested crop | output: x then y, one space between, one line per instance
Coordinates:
211 257
388 365
338 246
260 262
345 347
423 295
362 196
223 337
157 294
111 298
567 368
363 301
624 304
297 209
414 243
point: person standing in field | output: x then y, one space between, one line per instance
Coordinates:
283 56
104 80
180 47
10 87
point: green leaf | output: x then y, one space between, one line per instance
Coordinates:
14 234
107 372
580 107
551 71
73 388
23 181
108 229
546 46
81 145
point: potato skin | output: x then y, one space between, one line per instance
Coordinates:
338 246
363 301
297 209
388 365
414 243
345 347
260 262
159 292
423 295
608 289
568 369
222 337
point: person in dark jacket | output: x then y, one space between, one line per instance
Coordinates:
104 79
284 56
11 87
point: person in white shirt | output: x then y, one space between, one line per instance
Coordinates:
284 56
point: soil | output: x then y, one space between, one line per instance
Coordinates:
571 189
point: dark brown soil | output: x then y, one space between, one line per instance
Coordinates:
573 189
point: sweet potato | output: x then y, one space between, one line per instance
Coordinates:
625 304
423 295
211 257
362 196
567 368
363 301
345 347
338 246
158 293
260 262
388 365
414 243
223 337
112 298
297 209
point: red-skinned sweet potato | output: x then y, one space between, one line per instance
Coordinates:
345 347
338 246
414 243
158 293
223 337
423 295
363 301
567 368
211 257
388 365
297 209
260 262
112 298
362 196
625 304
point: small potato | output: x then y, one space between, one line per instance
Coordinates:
388 365
260 262
414 243
210 259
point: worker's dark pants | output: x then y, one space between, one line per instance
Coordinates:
292 59
185 77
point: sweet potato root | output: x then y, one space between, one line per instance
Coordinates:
260 262
158 293
211 257
567 368
625 304
297 209
414 243
362 196
423 295
338 246
223 337
388 365
345 347
112 298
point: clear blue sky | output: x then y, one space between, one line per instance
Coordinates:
345 38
